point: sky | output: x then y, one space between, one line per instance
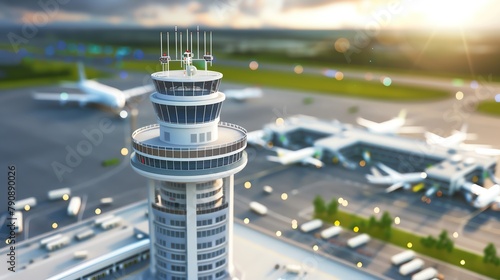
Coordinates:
255 14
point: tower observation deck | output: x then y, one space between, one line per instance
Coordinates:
191 158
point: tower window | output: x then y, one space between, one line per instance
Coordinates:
202 137
209 136
166 136
193 138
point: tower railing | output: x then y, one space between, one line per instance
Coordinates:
188 152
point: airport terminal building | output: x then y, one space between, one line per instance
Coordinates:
447 169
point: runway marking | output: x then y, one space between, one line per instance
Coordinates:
261 174
82 207
305 213
401 204
3 218
119 168
269 213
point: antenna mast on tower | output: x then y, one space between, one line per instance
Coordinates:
186 56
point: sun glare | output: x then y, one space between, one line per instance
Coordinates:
450 13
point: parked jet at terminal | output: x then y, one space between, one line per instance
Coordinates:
392 126
243 94
394 178
457 139
304 156
484 197
256 138
95 92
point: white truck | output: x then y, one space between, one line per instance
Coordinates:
58 243
18 220
311 225
403 257
58 193
258 208
330 232
358 240
410 267
293 268
21 204
74 206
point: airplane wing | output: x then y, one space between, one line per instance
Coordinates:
366 123
433 138
313 161
133 92
394 187
64 97
488 151
388 170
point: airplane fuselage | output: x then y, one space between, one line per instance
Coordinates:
106 95
487 197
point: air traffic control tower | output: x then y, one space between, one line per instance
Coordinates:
191 158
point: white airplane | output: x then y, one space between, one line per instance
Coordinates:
394 178
304 156
256 138
95 92
485 197
243 94
392 126
454 140
457 139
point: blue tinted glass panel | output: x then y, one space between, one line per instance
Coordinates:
181 114
172 114
191 114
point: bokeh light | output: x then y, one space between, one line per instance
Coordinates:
342 45
339 76
246 220
54 225
254 65
280 121
298 69
387 81
124 151
284 196
98 211
247 185
459 95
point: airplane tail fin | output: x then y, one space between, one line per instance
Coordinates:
81 72
402 114
464 128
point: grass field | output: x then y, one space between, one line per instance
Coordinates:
489 107
402 238
42 72
312 83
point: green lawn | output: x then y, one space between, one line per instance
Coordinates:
489 107
39 72
311 83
